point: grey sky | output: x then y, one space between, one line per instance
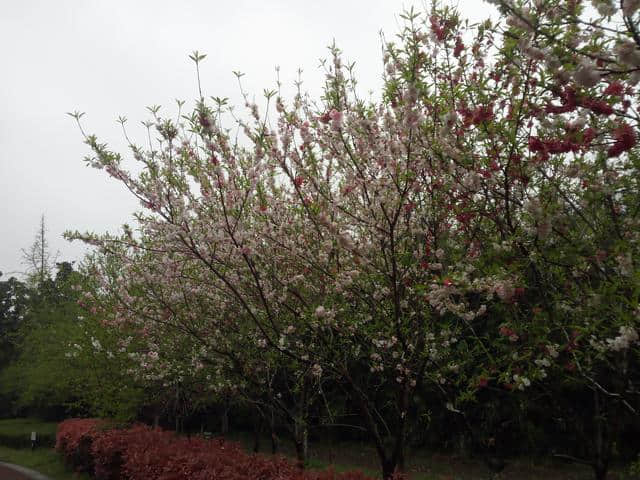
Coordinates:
115 57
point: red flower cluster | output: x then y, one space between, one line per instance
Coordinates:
506 331
145 453
625 139
552 146
481 114
615 89
439 29
574 142
599 107
459 47
568 100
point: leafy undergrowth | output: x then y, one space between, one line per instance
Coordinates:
44 460
144 453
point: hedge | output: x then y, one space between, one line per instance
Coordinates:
144 453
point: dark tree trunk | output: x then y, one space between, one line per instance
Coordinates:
388 469
300 439
600 471
224 420
400 461
300 460
601 462
390 463
272 431
257 430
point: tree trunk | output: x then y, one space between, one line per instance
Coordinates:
300 439
394 461
257 429
601 463
400 466
305 443
600 471
224 421
388 463
388 469
329 442
272 431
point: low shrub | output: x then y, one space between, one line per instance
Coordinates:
74 441
144 453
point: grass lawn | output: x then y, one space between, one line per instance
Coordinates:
43 460
24 426
16 432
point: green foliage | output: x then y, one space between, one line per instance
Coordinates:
66 362
13 305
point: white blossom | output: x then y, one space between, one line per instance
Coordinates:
586 74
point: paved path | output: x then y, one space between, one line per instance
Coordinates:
15 472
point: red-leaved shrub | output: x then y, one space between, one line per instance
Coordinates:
144 453
73 441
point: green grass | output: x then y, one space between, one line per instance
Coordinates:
24 426
43 460
16 432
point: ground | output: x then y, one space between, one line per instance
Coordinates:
434 466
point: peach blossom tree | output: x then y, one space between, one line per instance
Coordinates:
477 226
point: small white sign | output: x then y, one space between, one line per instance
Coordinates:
33 436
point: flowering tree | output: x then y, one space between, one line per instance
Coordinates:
317 245
187 334
541 128
477 226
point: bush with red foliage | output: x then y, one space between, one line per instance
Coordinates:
74 441
144 453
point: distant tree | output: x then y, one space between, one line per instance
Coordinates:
38 257
64 362
13 304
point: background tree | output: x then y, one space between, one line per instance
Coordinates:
13 306
38 258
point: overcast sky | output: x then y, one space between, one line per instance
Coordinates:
115 57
